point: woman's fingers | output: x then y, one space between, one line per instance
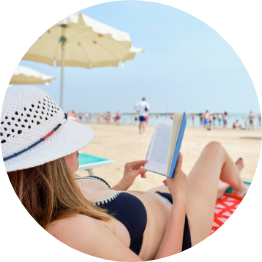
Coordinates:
143 175
140 162
179 163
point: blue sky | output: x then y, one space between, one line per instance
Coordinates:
186 66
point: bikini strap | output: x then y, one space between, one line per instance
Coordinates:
97 178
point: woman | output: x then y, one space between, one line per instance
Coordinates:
118 117
39 146
214 119
193 119
219 118
225 119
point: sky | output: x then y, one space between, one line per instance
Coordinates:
186 66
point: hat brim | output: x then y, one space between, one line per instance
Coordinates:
69 138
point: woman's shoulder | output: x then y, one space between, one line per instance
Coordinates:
94 182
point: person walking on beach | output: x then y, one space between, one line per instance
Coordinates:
193 119
209 127
90 117
86 116
108 117
251 120
201 118
246 123
142 108
259 120
118 117
103 118
98 117
206 119
225 119
214 119
219 119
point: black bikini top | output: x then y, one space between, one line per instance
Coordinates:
127 209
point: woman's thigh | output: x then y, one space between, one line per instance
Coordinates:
202 183
202 190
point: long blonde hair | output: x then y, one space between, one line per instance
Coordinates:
49 192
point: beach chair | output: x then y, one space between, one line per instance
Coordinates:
230 190
225 207
88 162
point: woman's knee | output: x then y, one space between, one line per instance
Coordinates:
215 146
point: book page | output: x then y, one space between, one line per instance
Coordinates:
158 150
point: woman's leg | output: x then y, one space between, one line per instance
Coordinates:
221 189
204 187
213 164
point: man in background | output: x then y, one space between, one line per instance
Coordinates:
259 120
142 108
225 119
86 116
251 120
206 119
236 125
118 117
219 118
193 116
108 117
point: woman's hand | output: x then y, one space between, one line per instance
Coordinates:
132 170
177 184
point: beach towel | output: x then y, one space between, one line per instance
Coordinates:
225 207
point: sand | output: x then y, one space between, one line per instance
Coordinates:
124 144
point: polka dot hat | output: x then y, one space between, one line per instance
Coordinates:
34 130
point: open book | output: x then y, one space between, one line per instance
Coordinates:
165 145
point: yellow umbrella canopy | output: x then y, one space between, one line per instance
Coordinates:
28 76
81 41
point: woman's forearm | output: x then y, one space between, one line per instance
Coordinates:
173 238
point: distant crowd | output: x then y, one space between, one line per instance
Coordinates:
207 120
106 118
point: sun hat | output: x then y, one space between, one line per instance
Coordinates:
34 130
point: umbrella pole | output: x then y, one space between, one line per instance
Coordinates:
62 76
63 41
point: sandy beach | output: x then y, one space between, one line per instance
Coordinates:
124 144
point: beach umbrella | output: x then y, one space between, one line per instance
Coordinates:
28 76
81 41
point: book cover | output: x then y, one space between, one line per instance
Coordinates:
178 146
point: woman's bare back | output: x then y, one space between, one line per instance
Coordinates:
157 215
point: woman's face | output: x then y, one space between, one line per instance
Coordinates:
72 161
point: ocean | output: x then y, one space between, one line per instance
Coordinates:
128 118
